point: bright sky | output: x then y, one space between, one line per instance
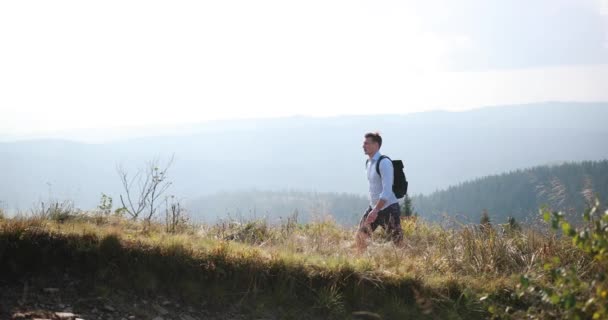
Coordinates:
98 64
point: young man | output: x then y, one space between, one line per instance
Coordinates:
384 207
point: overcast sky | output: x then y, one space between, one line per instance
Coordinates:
98 64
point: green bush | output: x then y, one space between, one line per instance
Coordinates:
569 291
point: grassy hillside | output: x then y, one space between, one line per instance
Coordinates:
288 271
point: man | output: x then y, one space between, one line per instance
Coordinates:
384 207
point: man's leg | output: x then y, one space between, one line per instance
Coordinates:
394 223
363 225
365 231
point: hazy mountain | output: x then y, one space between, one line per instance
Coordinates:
311 154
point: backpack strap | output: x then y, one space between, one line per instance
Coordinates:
378 164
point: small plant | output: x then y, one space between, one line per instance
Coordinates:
512 225
104 210
569 291
407 209
330 300
105 205
253 232
176 219
485 218
55 210
291 224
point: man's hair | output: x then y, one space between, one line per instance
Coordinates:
375 136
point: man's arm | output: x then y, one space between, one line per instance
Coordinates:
386 171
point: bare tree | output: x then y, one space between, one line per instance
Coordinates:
143 190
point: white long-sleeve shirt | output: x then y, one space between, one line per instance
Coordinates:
381 187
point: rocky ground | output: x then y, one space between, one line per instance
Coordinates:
65 300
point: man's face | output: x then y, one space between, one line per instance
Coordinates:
370 147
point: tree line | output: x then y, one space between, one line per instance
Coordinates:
568 187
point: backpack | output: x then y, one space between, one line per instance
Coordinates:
399 181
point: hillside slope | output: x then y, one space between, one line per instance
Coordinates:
567 187
101 267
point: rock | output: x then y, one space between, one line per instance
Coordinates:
131 317
109 308
158 318
166 303
50 290
364 315
187 317
65 315
162 311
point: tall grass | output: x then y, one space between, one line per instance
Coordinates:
437 272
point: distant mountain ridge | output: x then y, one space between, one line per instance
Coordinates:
439 149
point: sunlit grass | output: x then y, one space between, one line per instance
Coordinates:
443 270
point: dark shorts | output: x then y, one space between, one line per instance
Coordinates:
388 218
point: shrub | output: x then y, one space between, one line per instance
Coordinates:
56 211
569 290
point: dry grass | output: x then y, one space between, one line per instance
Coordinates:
435 272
